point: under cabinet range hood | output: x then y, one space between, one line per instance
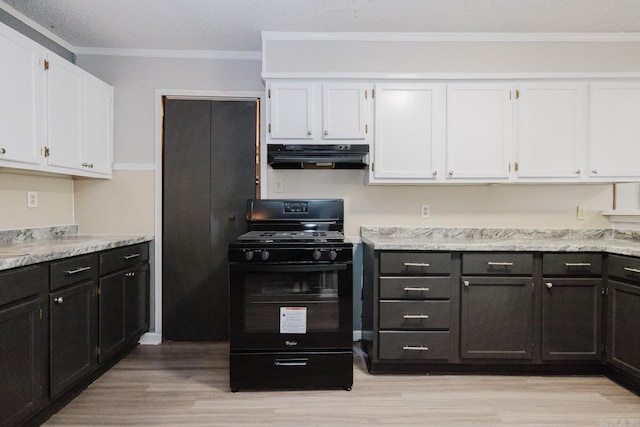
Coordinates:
321 156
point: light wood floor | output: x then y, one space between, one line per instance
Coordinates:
187 384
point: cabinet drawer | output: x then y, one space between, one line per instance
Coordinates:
571 264
415 287
497 263
19 283
415 263
118 259
414 314
73 270
624 267
414 345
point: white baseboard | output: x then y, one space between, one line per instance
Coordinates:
151 338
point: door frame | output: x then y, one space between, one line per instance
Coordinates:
154 336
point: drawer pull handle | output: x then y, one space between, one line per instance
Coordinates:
292 362
499 264
415 348
577 264
409 288
416 264
132 256
632 270
76 271
416 316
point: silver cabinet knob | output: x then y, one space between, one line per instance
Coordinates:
578 172
326 132
58 300
434 173
450 173
595 171
3 150
549 285
308 132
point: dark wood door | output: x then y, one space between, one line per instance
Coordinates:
136 307
571 319
624 317
209 172
111 313
496 318
23 343
73 334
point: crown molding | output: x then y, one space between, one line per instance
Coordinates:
452 37
37 27
166 53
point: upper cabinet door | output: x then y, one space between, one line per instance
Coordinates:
614 129
552 129
479 130
21 102
291 111
344 111
65 113
409 128
98 138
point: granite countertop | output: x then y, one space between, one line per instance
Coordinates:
483 239
32 246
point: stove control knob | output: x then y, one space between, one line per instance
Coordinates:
264 255
333 255
316 255
248 255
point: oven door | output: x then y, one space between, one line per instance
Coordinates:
301 306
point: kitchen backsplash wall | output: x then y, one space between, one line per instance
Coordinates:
55 200
511 206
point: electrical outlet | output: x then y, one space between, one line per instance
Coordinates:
279 186
580 213
425 211
32 199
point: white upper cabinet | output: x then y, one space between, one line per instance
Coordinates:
614 130
316 113
97 146
64 110
21 102
54 116
551 130
409 131
479 130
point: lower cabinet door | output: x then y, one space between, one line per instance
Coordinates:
414 345
21 356
624 318
496 318
136 302
111 333
571 320
73 335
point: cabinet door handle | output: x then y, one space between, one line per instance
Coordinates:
632 270
326 132
499 264
577 264
416 316
76 271
292 362
132 256
416 264
130 274
58 300
549 285
309 132
466 283
409 288
415 348
3 150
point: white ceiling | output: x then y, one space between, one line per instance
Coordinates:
235 25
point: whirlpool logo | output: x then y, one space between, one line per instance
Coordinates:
291 343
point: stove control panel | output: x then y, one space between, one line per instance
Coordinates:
290 255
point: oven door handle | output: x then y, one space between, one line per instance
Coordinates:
291 362
289 268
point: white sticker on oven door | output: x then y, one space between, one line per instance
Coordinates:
293 320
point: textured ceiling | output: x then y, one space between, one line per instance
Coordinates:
235 25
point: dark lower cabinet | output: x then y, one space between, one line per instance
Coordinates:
496 318
73 335
136 300
111 312
23 343
571 319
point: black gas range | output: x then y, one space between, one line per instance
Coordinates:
291 296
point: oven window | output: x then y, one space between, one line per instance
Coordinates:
291 302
